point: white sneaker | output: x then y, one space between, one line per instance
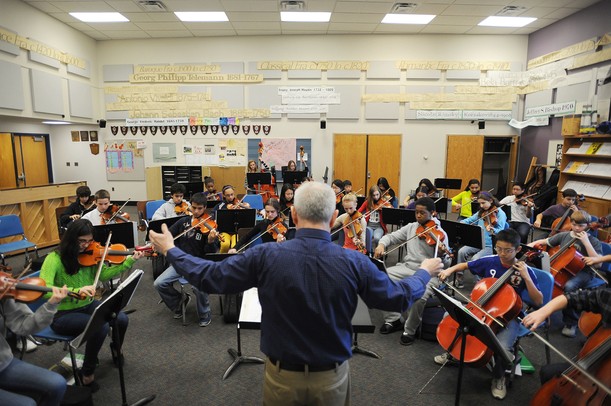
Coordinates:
498 388
569 331
444 358
29 346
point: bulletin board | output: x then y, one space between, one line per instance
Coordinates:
215 151
124 161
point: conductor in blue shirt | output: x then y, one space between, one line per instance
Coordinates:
308 288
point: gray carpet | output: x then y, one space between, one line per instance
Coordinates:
184 364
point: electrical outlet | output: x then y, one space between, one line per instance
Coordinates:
113 189
67 163
76 164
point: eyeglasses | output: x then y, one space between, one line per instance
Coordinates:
504 250
83 241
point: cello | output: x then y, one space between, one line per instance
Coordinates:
495 303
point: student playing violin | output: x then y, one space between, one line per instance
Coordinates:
84 204
521 210
585 244
373 207
210 193
286 198
463 200
421 192
103 211
176 206
547 217
199 241
250 168
265 229
338 189
384 186
347 186
523 279
62 268
433 192
22 383
355 227
229 202
492 220
417 249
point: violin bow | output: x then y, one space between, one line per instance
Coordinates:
118 210
411 238
572 363
101 264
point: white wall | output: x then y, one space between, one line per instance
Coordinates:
420 138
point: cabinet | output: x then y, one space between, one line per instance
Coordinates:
586 167
491 159
160 179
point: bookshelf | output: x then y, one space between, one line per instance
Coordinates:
586 167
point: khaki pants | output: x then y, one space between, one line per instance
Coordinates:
326 388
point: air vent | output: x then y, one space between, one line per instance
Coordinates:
403 8
511 11
292 5
152 6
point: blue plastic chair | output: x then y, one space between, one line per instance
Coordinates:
151 208
48 336
606 266
10 226
255 201
546 284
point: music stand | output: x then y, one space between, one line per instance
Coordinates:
229 221
294 177
399 217
258 179
107 312
122 233
447 183
155 225
469 324
211 204
461 234
360 200
441 205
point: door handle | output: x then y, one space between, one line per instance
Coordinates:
368 175
21 177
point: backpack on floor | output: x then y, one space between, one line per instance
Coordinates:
77 396
431 317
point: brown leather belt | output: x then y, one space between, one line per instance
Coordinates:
288 366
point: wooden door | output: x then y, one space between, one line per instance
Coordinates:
31 160
464 159
384 160
363 158
350 160
7 162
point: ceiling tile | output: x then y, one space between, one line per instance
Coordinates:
138 17
83 6
253 16
491 30
213 33
163 16
208 26
96 35
456 20
171 34
256 25
399 28
257 32
125 34
459 10
157 26
44 6
124 6
362 28
357 7
445 29
356 18
562 13
193 5
249 5
114 26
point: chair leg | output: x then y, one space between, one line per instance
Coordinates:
221 303
183 304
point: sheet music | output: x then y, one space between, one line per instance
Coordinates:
595 190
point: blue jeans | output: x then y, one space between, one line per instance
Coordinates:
73 322
20 377
569 315
377 232
171 297
507 337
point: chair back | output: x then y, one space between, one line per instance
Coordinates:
151 208
545 280
255 201
606 266
10 226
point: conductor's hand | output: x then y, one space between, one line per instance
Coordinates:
432 265
534 319
163 241
379 251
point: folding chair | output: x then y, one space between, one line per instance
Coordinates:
255 202
10 226
546 284
151 208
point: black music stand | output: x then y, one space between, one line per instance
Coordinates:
469 325
107 312
447 183
192 188
229 221
122 233
258 179
360 200
399 217
155 225
462 234
441 206
211 204
294 177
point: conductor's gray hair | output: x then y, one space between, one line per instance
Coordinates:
315 202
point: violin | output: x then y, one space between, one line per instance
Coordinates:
26 290
183 208
237 204
354 230
433 236
88 204
338 197
95 251
277 228
114 213
575 387
205 226
495 303
490 217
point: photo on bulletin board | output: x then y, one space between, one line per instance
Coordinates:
75 136
93 136
84 135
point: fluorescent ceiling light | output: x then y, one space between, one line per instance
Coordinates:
201 16
305 16
407 18
56 122
100 17
496 21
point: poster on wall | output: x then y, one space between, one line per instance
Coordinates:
215 152
164 152
278 151
124 161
